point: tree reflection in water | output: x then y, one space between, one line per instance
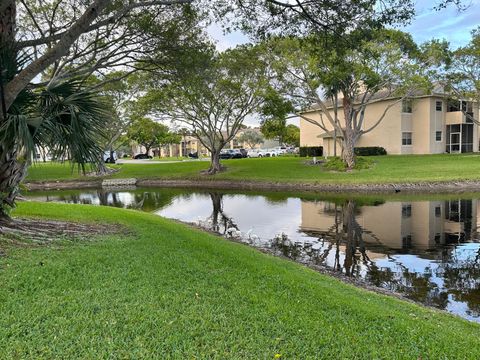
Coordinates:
218 221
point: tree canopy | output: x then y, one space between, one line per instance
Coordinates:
150 134
212 96
337 78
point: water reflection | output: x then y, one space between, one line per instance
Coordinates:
428 250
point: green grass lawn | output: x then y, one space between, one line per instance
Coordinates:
167 291
386 169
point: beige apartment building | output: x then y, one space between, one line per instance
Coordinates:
190 144
430 124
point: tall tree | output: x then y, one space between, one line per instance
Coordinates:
149 134
63 118
71 38
346 79
461 74
300 17
251 137
213 96
43 45
292 135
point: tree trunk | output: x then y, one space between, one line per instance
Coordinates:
348 153
215 165
12 173
8 13
102 170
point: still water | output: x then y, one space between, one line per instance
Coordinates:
425 247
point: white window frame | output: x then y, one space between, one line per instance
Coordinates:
441 135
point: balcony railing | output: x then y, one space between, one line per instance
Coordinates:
458 117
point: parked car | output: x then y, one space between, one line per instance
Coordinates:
271 152
256 153
230 154
142 157
110 157
243 152
281 150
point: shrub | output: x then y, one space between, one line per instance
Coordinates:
311 151
336 164
370 151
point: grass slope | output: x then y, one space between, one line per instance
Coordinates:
387 169
168 291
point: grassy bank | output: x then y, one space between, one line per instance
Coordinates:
166 291
386 169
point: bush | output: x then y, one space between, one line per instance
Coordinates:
311 151
370 151
336 164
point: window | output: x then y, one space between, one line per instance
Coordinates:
438 211
406 211
438 136
407 106
406 138
439 105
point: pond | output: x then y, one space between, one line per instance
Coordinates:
424 247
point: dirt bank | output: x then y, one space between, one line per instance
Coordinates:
421 187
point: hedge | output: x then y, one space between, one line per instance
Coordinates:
311 151
370 151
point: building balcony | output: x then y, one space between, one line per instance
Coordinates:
456 117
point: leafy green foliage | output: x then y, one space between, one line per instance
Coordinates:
333 75
251 137
463 72
337 164
292 135
149 133
370 151
62 117
274 128
211 96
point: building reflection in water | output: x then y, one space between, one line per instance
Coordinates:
426 250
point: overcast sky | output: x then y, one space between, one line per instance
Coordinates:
449 24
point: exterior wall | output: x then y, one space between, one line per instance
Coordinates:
421 126
187 145
380 136
423 123
438 124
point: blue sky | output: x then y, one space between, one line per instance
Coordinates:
449 24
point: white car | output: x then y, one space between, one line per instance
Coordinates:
271 153
281 150
256 153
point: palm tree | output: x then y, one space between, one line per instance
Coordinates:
61 116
